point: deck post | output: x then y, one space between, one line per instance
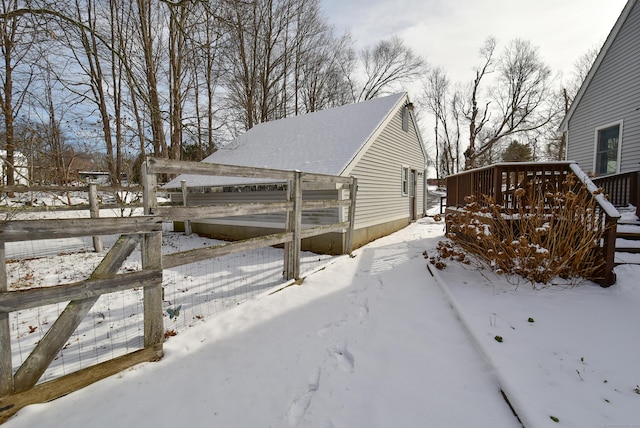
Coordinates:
497 185
609 251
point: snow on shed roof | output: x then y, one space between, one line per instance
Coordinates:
322 142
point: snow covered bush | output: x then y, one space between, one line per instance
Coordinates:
549 235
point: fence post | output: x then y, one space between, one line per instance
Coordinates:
352 214
151 250
94 211
294 263
6 369
187 222
149 190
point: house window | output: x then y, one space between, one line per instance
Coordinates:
405 181
608 150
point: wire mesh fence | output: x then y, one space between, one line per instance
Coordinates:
193 293
200 290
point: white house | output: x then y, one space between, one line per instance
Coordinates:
377 141
21 168
603 123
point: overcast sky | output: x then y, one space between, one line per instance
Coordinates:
448 33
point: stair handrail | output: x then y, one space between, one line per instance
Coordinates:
610 224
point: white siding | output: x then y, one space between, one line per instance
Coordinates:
380 197
613 95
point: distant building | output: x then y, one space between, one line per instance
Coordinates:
98 177
21 168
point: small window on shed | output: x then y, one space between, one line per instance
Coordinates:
405 181
406 111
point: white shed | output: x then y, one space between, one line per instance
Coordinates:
377 141
21 168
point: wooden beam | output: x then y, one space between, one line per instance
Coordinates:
352 215
151 250
166 166
56 388
6 369
94 212
327 203
321 230
11 301
200 254
223 210
297 222
185 195
150 186
28 230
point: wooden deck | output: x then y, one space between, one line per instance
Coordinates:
497 184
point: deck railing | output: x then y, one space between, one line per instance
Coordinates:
621 189
497 184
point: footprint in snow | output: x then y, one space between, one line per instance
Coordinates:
345 359
300 404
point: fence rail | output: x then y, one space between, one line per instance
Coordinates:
33 207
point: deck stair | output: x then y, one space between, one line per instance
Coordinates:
628 239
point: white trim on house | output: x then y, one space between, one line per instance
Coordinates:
618 123
404 179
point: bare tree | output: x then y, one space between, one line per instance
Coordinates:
444 104
516 104
146 11
387 63
205 69
476 116
17 36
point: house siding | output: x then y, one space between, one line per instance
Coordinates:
613 95
380 197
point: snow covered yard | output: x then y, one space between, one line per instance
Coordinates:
377 341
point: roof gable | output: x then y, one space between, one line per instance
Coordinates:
598 61
323 142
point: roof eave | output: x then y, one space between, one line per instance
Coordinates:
372 137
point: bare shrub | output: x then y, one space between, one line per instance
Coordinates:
548 235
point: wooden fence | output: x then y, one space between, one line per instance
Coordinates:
64 194
21 388
293 207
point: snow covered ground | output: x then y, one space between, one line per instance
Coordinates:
376 341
